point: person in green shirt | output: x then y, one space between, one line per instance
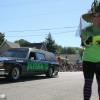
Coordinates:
90 40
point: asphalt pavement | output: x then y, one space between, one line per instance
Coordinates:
67 86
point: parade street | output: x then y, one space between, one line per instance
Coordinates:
67 86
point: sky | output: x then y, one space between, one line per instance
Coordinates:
32 20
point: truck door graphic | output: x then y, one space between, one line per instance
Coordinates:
37 62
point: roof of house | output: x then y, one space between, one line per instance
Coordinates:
10 44
72 57
36 45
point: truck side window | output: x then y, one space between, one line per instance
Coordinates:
40 56
32 56
51 57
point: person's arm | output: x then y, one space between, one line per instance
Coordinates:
83 37
86 38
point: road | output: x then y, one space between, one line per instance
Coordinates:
67 86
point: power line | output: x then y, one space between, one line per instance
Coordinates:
55 28
40 34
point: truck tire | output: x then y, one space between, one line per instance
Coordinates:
52 72
55 73
14 74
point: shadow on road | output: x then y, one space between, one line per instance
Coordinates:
4 80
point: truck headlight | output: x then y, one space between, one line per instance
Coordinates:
1 64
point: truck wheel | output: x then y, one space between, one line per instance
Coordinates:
55 72
14 74
50 72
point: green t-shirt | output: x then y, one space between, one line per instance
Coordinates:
92 51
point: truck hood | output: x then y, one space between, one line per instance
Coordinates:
7 58
12 59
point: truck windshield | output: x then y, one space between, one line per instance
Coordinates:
16 53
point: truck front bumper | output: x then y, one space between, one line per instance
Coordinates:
3 72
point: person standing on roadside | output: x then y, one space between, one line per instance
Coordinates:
90 41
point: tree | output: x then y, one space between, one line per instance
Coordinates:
71 50
50 43
2 38
22 42
64 50
58 49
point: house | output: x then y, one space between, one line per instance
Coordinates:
72 57
6 45
70 62
36 45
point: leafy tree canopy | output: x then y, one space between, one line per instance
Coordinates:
22 42
50 43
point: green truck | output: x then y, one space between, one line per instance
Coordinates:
17 62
